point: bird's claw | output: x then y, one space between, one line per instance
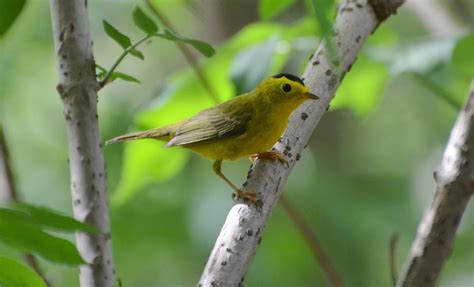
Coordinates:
271 155
248 197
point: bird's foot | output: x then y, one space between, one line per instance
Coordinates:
270 155
248 197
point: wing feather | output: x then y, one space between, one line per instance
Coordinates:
216 123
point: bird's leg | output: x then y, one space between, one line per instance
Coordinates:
248 196
270 155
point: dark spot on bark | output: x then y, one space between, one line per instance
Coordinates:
279 140
71 27
66 74
224 263
315 63
456 219
77 202
290 154
78 123
259 240
64 56
241 238
61 35
332 82
328 73
100 174
113 271
213 283
298 156
304 116
93 175
244 184
85 3
435 175
258 232
107 236
288 148
358 38
108 261
349 68
61 66
222 244
249 232
327 108
228 250
97 247
358 5
285 152
278 184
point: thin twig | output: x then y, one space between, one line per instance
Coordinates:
316 248
186 53
392 260
103 82
8 193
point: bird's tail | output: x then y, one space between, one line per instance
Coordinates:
165 133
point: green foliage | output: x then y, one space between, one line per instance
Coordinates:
201 46
9 11
123 40
49 219
143 21
271 8
321 10
463 55
22 227
16 274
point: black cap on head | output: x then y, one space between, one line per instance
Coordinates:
289 77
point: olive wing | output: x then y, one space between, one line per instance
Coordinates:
210 125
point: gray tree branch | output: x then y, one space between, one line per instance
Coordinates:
455 186
242 231
78 91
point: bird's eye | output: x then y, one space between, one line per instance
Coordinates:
286 87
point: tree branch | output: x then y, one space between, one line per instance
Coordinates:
78 91
242 231
455 186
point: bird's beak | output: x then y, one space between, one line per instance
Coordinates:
312 96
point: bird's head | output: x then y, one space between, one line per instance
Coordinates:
285 88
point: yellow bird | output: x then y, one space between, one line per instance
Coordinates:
247 125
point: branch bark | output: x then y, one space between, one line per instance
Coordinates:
78 91
242 231
455 186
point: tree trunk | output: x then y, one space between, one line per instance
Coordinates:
78 91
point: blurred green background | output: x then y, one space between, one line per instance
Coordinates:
366 174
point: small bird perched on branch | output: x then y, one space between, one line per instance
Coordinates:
247 125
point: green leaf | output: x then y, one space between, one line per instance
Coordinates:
463 55
321 10
252 65
202 47
50 219
137 54
124 77
16 274
27 237
362 86
123 40
112 32
9 11
143 21
271 8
